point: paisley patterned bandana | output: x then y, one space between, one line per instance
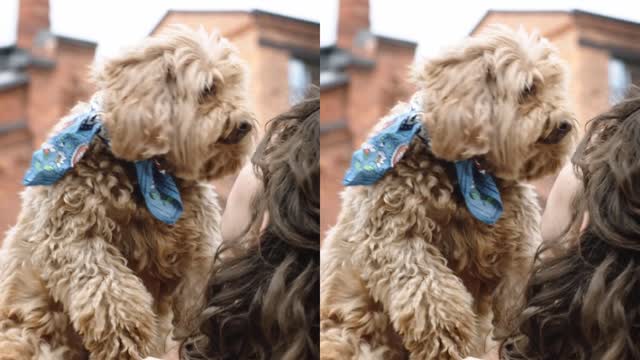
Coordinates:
65 148
385 148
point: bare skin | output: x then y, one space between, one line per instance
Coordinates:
557 214
237 214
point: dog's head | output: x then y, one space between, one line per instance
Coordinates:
501 98
180 98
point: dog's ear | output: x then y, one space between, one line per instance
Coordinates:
137 92
456 92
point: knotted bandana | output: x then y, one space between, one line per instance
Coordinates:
384 149
64 149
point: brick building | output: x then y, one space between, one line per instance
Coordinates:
41 76
361 77
44 74
603 54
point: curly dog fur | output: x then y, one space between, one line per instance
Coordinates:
407 272
87 271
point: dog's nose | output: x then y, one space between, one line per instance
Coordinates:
558 133
238 133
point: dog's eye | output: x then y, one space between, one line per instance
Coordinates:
529 91
208 92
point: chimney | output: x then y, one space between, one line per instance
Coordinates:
33 17
353 21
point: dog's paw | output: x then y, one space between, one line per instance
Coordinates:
113 350
14 345
442 347
133 344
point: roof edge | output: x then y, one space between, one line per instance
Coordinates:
331 126
507 11
284 17
6 128
76 41
551 12
23 80
8 48
230 12
604 17
396 41
328 48
333 84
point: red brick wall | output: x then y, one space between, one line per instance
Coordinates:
72 73
372 92
13 104
393 62
271 82
53 92
335 148
334 105
14 160
335 156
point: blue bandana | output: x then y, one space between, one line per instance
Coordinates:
65 148
383 150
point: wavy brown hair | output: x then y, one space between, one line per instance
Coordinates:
263 298
585 302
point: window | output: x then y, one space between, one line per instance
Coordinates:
623 75
302 73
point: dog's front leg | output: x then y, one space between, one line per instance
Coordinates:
108 305
190 295
205 237
508 296
428 305
516 264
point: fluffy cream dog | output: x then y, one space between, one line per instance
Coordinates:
407 271
87 270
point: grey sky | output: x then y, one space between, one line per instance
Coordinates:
116 23
434 24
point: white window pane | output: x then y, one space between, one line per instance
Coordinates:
619 80
299 79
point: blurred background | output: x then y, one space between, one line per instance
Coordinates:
46 47
367 46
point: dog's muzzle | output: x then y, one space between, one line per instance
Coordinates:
238 133
557 134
